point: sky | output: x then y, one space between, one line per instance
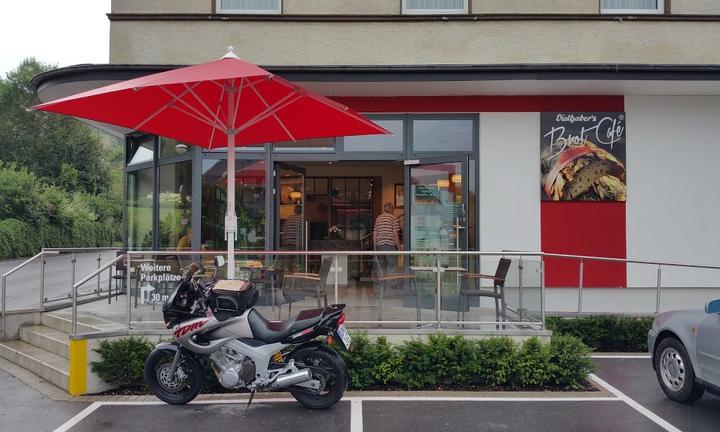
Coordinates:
61 32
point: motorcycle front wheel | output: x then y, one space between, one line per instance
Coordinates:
177 390
330 370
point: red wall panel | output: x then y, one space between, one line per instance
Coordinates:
584 228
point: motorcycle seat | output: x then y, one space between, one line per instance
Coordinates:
276 331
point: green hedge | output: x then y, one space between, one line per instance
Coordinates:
609 333
564 363
442 361
17 239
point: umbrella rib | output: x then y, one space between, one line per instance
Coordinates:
237 102
197 117
197 112
217 113
277 106
273 112
161 109
197 98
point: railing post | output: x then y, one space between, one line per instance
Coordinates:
437 290
4 284
580 285
127 288
520 288
657 298
542 293
110 285
98 267
42 280
74 297
335 261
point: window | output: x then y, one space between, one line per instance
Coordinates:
140 209
249 6
434 7
442 135
378 143
175 206
632 6
140 150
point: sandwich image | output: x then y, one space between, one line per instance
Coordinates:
582 172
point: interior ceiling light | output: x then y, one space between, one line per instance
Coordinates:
456 178
443 183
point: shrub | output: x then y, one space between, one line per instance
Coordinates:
606 332
371 362
570 362
496 360
532 364
17 239
122 361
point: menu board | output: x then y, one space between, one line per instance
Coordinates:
582 156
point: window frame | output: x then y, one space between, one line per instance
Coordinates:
464 11
220 10
660 10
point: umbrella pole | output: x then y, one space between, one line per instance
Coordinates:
230 217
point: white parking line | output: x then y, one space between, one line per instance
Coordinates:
636 406
356 420
79 417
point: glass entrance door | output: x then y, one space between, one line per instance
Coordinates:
290 207
436 197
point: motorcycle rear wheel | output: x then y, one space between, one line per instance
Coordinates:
180 389
331 370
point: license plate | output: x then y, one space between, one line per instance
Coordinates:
344 336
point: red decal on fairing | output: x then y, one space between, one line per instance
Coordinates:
190 327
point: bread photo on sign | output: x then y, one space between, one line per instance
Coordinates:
581 172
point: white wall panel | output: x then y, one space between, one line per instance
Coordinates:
673 175
509 181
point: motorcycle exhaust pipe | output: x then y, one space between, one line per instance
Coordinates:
291 379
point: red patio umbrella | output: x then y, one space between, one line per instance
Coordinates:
224 103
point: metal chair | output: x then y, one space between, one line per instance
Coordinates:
319 280
382 280
497 292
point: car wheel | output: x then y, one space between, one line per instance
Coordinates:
675 372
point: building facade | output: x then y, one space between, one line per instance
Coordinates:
579 126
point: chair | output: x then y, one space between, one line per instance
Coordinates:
290 293
497 292
382 279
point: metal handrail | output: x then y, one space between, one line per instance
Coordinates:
84 280
3 293
83 249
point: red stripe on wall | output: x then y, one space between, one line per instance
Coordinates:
457 104
584 228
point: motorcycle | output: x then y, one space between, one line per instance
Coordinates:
217 323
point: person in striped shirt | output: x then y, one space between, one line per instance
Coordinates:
386 238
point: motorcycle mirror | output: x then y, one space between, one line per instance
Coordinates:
713 307
219 261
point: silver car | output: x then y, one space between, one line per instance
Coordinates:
685 349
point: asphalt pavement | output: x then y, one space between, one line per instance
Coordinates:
23 409
634 402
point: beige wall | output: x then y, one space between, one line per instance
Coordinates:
387 43
344 7
162 6
695 7
535 6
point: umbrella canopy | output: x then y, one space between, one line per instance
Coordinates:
224 103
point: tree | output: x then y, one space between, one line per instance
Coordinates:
59 149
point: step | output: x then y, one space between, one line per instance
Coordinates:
49 339
62 321
45 364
